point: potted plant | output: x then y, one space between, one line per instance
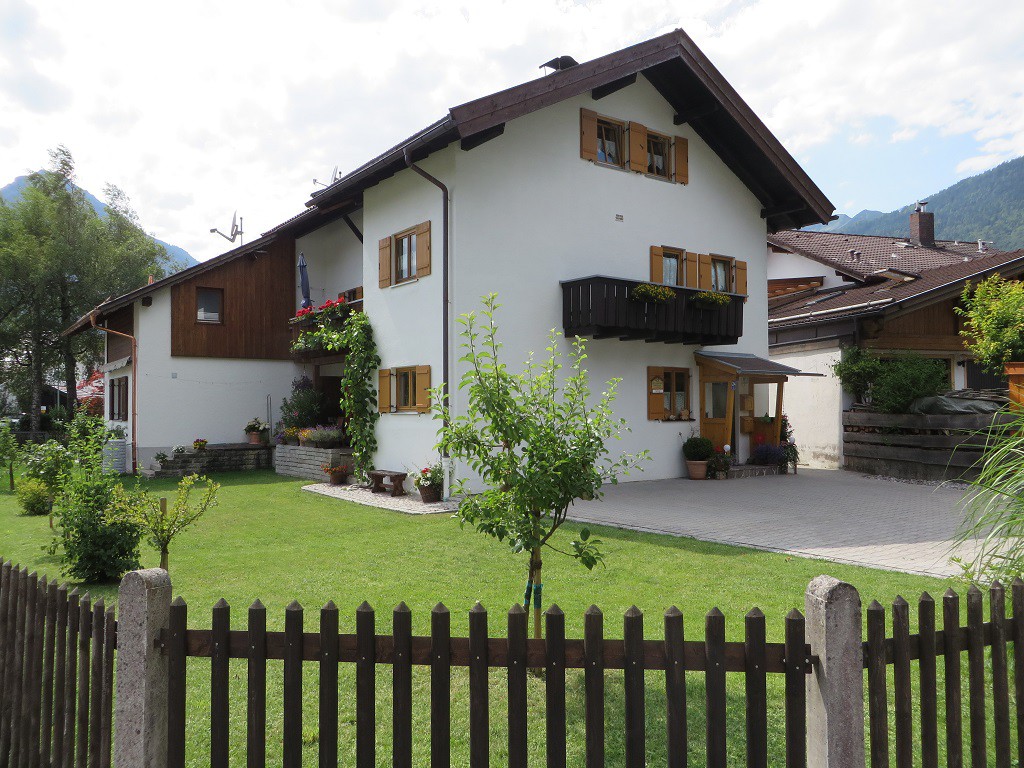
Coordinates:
652 294
718 465
697 450
254 430
338 474
291 435
199 444
430 481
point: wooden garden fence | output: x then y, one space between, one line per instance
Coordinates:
56 674
57 654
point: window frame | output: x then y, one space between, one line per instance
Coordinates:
666 158
118 400
620 127
730 278
220 315
405 235
679 255
410 372
664 371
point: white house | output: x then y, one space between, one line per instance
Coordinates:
562 195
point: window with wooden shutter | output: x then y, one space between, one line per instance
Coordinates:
657 263
741 278
384 390
423 249
119 399
384 261
659 157
682 160
423 388
668 393
704 279
588 134
637 147
722 273
673 268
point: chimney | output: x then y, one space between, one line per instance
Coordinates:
922 225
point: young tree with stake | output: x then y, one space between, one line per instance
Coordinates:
536 440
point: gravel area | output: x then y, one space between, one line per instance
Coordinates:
409 504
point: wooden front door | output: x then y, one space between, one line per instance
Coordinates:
717 401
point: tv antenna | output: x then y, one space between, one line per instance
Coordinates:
236 230
334 177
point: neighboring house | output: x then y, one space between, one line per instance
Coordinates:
561 194
828 291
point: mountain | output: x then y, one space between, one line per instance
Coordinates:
178 255
989 206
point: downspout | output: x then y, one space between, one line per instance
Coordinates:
444 277
135 380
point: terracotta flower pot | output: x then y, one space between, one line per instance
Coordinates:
255 438
430 494
697 470
338 478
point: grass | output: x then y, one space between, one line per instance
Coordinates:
267 539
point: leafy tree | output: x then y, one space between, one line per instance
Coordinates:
151 514
994 321
10 451
538 442
857 370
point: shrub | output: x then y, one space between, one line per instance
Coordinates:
720 461
904 379
994 312
34 497
698 448
306 406
768 455
95 547
50 463
857 370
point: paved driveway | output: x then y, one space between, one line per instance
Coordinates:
832 514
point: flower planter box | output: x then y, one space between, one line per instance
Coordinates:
307 462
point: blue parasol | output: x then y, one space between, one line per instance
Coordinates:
304 282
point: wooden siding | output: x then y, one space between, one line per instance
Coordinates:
122 321
259 299
935 328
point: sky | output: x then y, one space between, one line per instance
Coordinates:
196 110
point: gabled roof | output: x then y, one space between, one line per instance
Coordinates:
836 303
873 253
687 80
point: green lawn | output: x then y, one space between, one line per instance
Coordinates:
269 540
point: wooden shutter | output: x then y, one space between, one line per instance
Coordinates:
384 390
691 269
657 264
384 261
423 388
704 280
740 283
637 148
588 134
655 401
423 249
682 153
123 404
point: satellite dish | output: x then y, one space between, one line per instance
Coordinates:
335 175
236 230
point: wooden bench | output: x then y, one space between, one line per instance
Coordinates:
397 480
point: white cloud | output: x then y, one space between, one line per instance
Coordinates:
195 114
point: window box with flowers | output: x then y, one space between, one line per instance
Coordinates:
430 481
308 324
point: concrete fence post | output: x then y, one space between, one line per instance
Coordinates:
835 689
140 705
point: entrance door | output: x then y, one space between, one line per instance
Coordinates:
717 400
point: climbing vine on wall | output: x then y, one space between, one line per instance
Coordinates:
358 392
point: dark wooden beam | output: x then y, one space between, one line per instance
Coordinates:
474 141
353 227
695 113
609 88
794 206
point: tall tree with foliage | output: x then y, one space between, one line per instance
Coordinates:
537 439
58 260
993 313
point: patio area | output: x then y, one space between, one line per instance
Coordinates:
832 514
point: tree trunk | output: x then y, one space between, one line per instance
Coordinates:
538 584
10 473
164 558
35 415
70 372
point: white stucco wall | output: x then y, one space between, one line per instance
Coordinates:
182 398
815 404
783 265
334 258
527 212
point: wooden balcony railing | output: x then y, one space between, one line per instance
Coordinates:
602 307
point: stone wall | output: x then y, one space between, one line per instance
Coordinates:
222 458
304 461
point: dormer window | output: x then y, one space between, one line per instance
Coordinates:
210 305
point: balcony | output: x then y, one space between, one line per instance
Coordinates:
601 307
